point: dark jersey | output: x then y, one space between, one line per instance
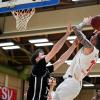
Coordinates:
38 81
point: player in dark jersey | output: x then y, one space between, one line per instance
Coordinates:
38 81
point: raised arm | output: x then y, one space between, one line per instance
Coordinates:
88 46
68 43
86 21
57 46
66 55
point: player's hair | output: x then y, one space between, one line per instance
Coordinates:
34 55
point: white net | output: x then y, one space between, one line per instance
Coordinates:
22 17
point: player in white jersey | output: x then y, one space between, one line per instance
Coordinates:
81 65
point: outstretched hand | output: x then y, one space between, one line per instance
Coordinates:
87 20
69 29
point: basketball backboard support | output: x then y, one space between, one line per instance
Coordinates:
13 5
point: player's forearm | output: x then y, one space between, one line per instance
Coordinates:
64 57
67 54
81 25
60 43
56 48
82 38
86 21
68 45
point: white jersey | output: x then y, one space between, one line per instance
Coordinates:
82 64
80 67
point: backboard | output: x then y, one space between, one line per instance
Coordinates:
12 5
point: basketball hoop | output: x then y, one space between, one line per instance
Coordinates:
22 17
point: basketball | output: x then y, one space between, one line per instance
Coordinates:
95 22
